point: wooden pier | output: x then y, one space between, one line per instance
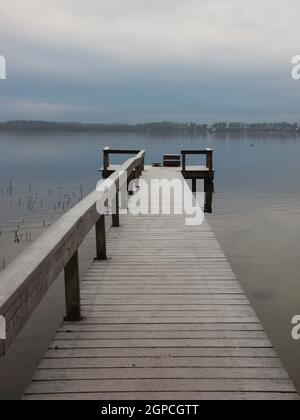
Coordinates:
159 315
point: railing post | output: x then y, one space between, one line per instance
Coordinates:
106 151
101 239
138 172
208 190
129 183
116 209
209 161
183 162
72 287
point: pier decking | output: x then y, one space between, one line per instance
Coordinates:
163 317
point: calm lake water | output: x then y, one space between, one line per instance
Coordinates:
256 218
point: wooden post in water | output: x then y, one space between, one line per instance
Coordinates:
101 239
143 165
183 157
209 162
208 191
72 287
194 185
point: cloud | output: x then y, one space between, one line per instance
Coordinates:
124 57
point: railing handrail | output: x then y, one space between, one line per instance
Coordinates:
209 158
26 280
196 152
121 151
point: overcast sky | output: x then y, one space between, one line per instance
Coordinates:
145 60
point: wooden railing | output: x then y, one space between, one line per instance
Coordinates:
107 151
209 158
25 281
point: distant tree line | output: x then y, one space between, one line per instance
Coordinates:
163 127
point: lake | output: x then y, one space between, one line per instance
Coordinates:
256 218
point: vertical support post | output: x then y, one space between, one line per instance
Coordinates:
131 177
105 161
138 172
101 239
72 287
183 162
208 190
209 162
194 185
116 213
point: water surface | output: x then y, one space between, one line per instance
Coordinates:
256 218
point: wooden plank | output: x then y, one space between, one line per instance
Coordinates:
171 311
163 291
159 283
162 352
84 374
152 294
164 320
161 288
150 279
116 335
162 385
183 327
95 313
168 298
171 396
159 362
170 343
